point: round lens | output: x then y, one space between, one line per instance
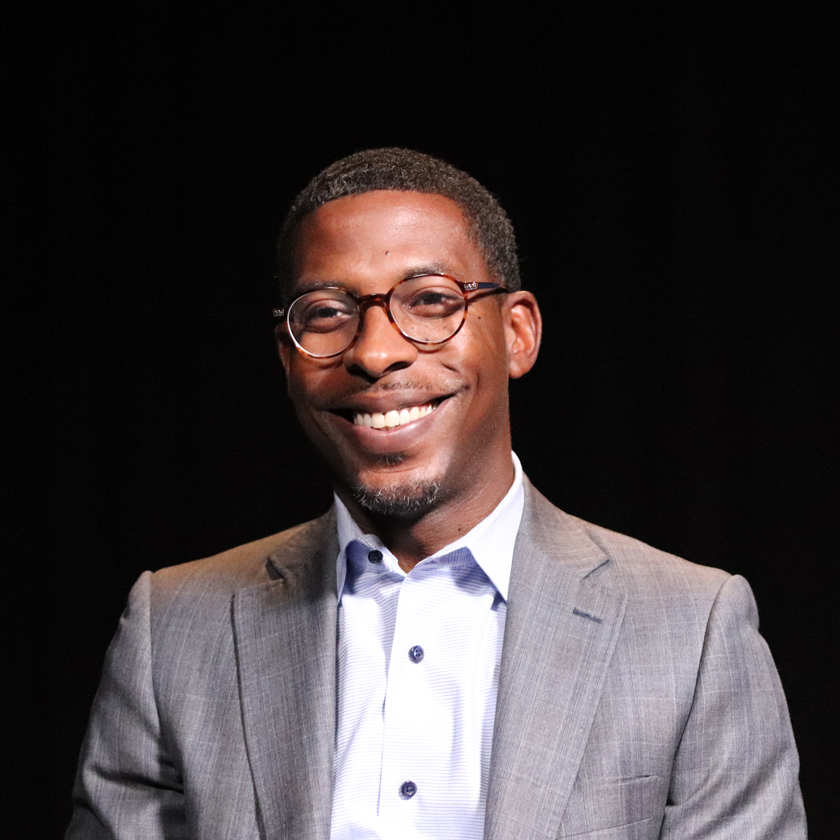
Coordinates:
324 322
429 309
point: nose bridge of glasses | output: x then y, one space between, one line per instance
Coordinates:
375 299
365 302
379 342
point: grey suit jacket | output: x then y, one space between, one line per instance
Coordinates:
636 698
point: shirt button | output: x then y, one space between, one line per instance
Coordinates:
416 654
375 556
407 790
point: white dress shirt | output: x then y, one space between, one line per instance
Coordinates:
418 671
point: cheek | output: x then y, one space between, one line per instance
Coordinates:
301 392
307 381
486 350
294 386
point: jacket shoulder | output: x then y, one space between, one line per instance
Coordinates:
635 559
254 563
626 562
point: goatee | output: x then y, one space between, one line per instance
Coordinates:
403 501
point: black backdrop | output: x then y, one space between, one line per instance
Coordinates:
666 168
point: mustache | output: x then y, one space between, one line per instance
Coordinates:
442 387
403 385
434 389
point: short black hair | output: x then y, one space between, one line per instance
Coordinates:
404 170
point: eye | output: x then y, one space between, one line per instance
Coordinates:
433 301
320 313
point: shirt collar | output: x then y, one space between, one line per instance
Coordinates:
491 542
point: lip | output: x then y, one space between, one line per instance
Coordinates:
385 401
388 440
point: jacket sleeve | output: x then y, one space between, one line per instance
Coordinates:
128 784
735 772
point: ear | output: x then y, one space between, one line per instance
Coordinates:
284 347
523 330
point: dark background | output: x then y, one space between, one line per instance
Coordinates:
668 172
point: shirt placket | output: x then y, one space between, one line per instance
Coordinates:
412 706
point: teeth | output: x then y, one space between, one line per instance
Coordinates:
394 418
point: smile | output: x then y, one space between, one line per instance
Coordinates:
393 419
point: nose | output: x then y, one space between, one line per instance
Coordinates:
380 347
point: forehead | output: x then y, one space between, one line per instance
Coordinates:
384 234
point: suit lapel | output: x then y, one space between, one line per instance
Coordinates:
285 644
560 632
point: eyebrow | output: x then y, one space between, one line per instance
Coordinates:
305 286
419 270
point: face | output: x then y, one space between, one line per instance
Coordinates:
452 438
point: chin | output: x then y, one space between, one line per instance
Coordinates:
401 499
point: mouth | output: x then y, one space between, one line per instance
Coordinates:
393 419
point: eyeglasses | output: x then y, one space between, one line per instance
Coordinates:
426 309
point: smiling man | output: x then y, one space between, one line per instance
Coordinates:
428 479
444 654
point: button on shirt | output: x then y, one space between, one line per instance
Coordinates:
418 670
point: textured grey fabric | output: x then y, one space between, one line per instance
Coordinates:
636 698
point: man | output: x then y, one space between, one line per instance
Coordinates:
444 654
